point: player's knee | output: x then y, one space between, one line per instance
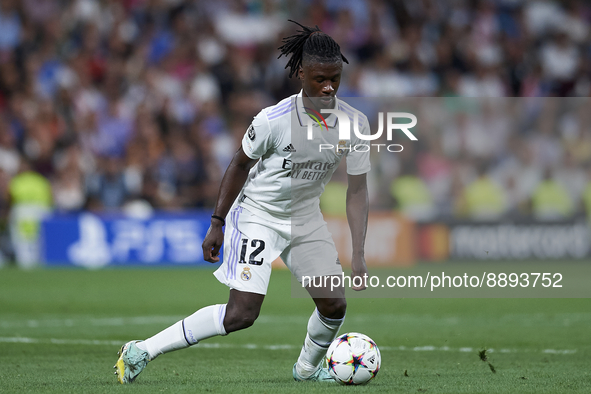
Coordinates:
247 318
242 310
339 309
333 308
240 320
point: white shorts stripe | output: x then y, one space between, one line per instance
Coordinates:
233 235
236 243
233 257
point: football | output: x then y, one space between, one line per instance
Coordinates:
353 358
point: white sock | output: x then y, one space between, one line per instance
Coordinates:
321 332
205 323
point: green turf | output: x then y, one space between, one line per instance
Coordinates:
539 345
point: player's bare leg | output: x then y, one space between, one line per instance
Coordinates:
323 327
240 312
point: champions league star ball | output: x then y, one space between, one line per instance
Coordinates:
353 358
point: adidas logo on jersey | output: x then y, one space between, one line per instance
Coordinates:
289 148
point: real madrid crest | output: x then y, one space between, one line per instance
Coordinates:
246 274
341 147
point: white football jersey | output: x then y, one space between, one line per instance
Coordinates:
287 181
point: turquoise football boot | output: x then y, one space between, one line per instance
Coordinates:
321 375
132 360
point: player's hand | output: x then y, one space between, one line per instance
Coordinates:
213 242
359 271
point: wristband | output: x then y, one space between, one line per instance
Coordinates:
219 218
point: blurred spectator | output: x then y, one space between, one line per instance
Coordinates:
30 196
544 140
550 200
411 194
560 60
67 184
520 174
68 190
10 25
485 82
9 155
484 199
572 178
109 188
113 132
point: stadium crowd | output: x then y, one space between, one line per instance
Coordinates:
123 102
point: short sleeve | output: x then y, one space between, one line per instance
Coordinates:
358 160
258 139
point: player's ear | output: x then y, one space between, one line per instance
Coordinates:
301 73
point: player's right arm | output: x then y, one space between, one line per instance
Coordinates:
256 142
232 184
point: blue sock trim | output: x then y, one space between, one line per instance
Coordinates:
184 333
319 344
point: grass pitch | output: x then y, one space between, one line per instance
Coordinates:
60 330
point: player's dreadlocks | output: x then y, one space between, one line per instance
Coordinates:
310 44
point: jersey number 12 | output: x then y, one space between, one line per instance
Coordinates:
259 244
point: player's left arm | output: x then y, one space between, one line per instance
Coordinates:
357 212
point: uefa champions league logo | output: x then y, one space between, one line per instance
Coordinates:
345 130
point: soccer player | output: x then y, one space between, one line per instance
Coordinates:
269 203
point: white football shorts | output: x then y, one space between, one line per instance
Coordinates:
252 243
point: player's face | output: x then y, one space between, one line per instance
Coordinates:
321 80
